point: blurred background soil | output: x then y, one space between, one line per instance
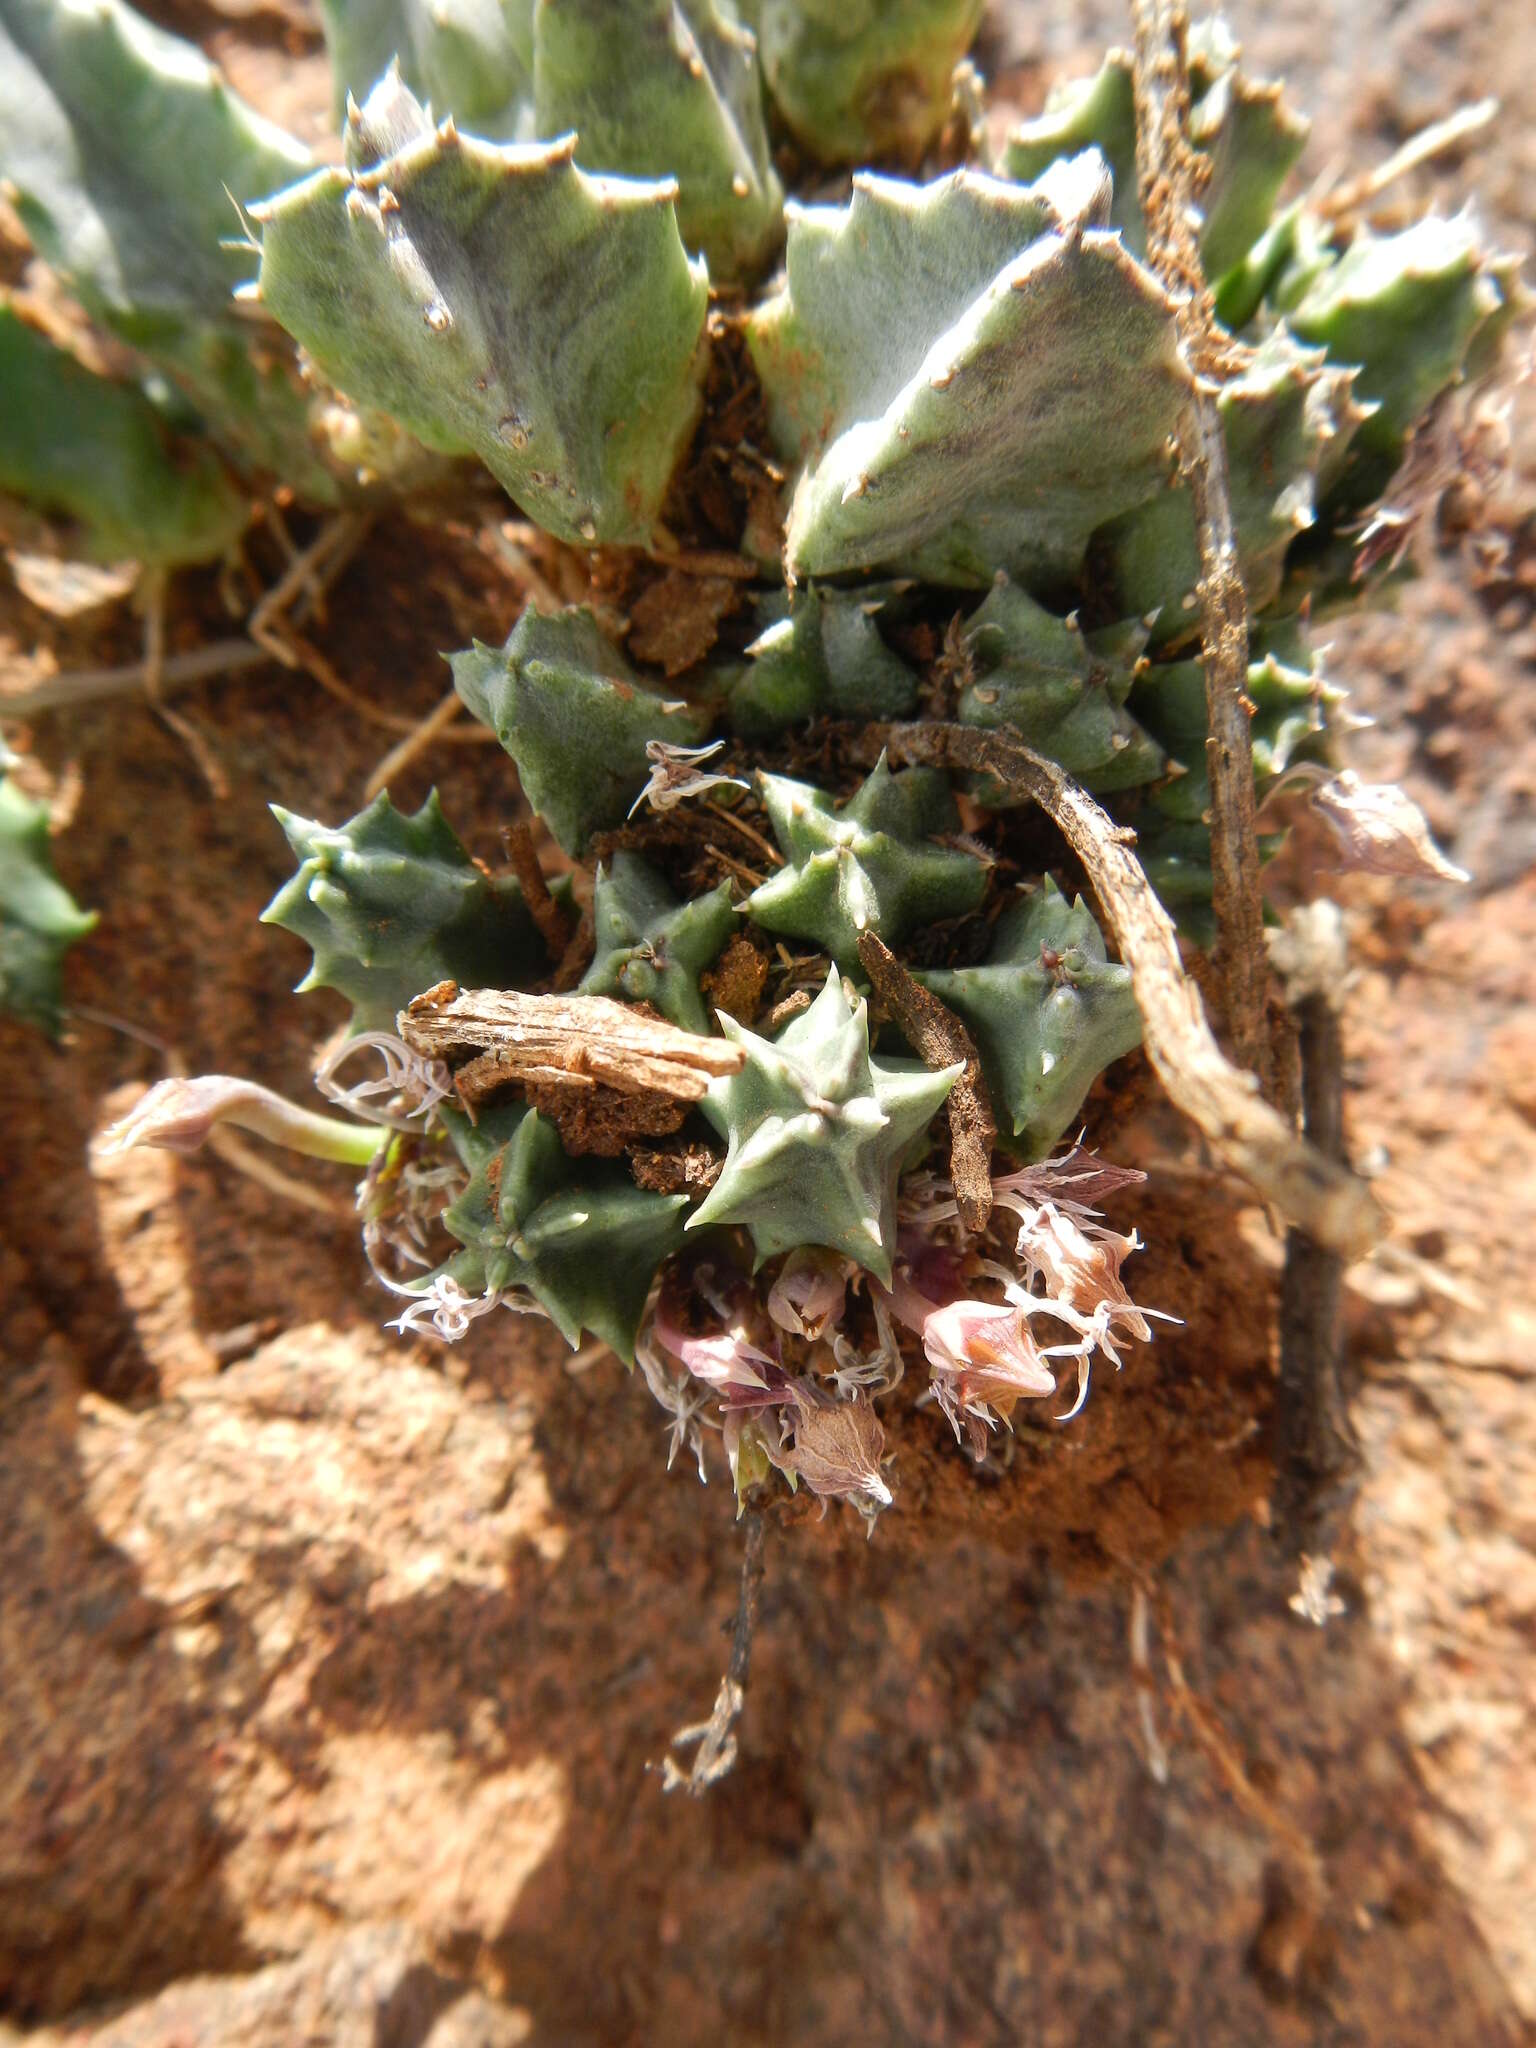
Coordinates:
333 1667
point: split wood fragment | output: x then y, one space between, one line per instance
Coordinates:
569 1041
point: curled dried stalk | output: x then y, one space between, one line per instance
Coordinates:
1316 1193
714 1741
573 1042
940 1039
1168 173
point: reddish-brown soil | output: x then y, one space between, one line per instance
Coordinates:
333 1667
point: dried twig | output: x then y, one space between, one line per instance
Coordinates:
1317 1455
938 1036
556 925
310 570
72 688
506 542
257 1166
1290 1930
1166 166
574 1041
715 1755
1310 1189
577 957
150 599
708 562
405 751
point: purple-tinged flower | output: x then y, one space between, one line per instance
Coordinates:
810 1293
1079 1263
1075 1181
725 1358
981 1354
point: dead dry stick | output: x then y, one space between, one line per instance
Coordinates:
150 598
1317 1455
310 570
1352 198
1167 171
1310 1190
937 1035
75 687
1302 1866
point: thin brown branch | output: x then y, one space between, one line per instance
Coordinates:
937 1035
1306 1883
1317 1454
1309 1189
1169 179
255 1165
770 851
310 570
577 957
708 562
1346 200
556 925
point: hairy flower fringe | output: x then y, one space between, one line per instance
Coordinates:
406 1074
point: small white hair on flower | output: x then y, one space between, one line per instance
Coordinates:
445 1306
406 1073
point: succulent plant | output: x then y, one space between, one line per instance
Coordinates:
390 905
102 117
575 718
650 947
1049 1010
926 468
99 454
817 1129
529 1218
39 919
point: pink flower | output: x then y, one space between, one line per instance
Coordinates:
986 1350
724 1357
1080 1266
728 1359
809 1295
1079 1263
980 1353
